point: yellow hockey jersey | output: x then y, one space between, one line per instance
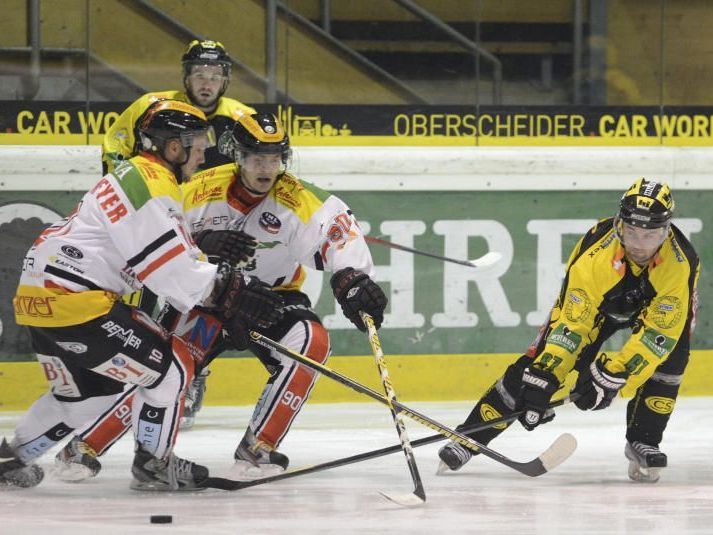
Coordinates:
657 300
121 138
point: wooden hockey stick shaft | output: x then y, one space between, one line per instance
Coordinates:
375 343
228 484
470 263
559 451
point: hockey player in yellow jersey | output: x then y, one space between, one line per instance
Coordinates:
635 271
206 75
255 214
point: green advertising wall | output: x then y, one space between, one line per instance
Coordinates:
435 308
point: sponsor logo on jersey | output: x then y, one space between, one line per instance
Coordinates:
74 347
33 306
660 405
658 343
488 413
63 263
578 305
109 201
72 252
603 245
563 337
677 251
127 370
127 336
207 194
270 222
287 199
667 311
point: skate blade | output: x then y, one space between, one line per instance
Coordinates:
157 486
643 475
73 473
245 471
442 469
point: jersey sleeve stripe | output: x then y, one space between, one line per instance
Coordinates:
160 261
151 247
71 277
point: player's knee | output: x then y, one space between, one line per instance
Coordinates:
319 347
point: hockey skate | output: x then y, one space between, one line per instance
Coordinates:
166 475
194 400
76 462
453 457
645 462
255 459
15 473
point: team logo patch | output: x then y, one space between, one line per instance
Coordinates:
72 252
270 222
667 311
577 305
563 337
660 405
658 343
225 144
74 347
488 413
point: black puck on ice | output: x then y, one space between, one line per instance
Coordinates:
161 519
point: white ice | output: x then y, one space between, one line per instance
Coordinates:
589 493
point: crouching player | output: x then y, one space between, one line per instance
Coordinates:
635 271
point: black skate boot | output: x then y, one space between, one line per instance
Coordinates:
645 462
76 462
15 473
166 475
255 459
453 457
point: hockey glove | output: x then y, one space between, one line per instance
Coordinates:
538 385
238 332
356 292
232 246
247 298
597 387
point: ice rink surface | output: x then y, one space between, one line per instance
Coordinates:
588 494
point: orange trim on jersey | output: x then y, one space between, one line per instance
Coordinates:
108 430
618 262
299 385
153 266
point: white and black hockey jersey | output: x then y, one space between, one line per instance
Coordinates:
127 231
296 224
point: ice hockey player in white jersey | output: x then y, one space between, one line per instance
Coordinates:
129 230
285 224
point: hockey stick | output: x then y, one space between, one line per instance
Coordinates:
231 484
419 494
488 259
557 453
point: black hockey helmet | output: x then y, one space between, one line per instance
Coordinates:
647 204
260 133
168 119
205 52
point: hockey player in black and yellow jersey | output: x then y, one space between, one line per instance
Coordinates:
206 75
634 271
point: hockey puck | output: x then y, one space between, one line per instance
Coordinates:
161 519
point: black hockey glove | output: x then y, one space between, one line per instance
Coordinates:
238 332
356 292
247 298
232 246
538 385
596 386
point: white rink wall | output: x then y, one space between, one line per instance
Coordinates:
32 168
